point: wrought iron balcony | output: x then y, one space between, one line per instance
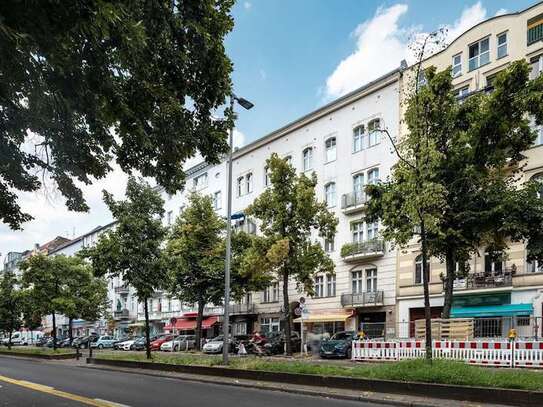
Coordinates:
122 289
363 250
353 202
366 299
478 281
240 309
123 314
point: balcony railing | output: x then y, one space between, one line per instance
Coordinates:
353 201
238 309
123 314
122 289
535 33
367 299
483 280
363 250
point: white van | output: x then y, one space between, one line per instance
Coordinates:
24 338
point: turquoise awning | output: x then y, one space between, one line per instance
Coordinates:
506 310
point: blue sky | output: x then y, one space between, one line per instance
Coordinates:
290 56
285 50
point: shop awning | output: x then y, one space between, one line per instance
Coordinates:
506 310
184 324
324 318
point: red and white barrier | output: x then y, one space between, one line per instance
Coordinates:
487 353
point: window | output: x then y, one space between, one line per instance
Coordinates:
358 187
249 182
330 194
374 136
271 293
373 176
357 229
493 263
330 145
418 269
200 181
319 286
457 65
288 159
537 66
308 159
535 29
373 230
329 245
460 93
269 325
421 80
539 178
240 186
358 139
169 218
356 281
266 176
371 280
479 54
539 139
502 45
217 200
331 285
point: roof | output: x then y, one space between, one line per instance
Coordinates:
79 238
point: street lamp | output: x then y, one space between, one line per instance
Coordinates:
226 323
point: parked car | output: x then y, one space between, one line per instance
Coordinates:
275 343
181 342
216 344
84 341
23 338
49 343
139 344
104 341
338 346
120 340
128 344
66 343
157 343
42 341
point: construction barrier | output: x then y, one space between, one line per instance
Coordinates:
527 354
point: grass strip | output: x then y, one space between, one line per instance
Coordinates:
26 350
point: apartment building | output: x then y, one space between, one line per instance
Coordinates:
337 142
513 287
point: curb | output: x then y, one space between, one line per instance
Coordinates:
61 356
418 389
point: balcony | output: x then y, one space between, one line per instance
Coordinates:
242 309
353 202
119 315
479 281
122 289
535 30
368 299
356 251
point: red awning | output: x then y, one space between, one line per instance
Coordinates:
183 324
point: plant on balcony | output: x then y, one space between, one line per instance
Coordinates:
348 249
289 211
132 250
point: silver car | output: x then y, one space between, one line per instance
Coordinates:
180 343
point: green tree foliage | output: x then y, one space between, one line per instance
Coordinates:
10 305
90 81
196 252
132 250
289 212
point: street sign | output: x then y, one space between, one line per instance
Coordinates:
173 320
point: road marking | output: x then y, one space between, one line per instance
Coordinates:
59 393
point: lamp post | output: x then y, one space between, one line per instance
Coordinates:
226 323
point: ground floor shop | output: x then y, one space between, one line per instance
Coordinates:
186 324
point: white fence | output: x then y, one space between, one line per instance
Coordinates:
489 353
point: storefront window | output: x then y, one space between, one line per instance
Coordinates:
269 325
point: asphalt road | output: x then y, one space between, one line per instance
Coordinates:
36 383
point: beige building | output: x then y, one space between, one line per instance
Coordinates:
491 289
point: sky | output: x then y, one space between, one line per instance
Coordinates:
290 57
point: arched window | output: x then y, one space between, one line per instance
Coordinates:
330 145
374 136
358 139
418 269
308 159
330 194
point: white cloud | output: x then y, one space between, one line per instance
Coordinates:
501 12
239 139
381 43
247 5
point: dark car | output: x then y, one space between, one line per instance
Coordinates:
338 346
139 344
66 343
43 341
275 343
84 341
49 343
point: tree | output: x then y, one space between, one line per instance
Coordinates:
132 250
196 252
288 212
90 81
10 305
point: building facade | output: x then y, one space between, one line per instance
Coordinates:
493 288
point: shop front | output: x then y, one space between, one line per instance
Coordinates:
324 325
186 324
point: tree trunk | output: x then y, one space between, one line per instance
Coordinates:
288 318
70 333
55 331
147 331
425 280
199 319
449 283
